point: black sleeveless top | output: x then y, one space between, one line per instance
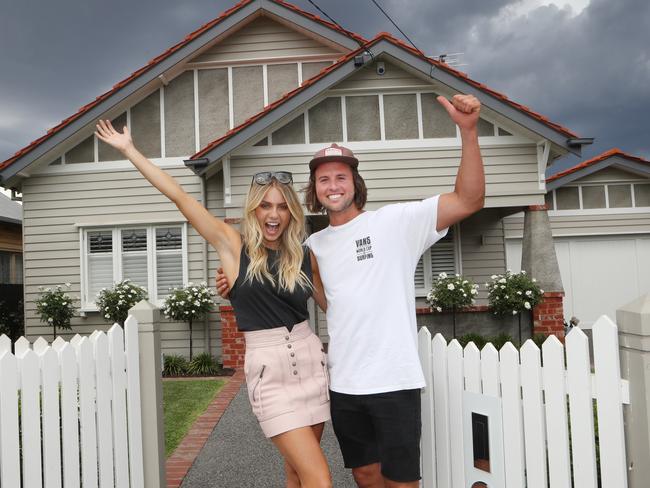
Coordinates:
260 305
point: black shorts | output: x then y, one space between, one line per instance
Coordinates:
380 428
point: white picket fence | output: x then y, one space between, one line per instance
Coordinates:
73 410
540 418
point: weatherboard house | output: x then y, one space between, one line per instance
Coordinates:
261 87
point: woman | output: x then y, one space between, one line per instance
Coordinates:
285 365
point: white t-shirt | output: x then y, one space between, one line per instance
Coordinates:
367 267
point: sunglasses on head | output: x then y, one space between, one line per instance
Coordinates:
265 177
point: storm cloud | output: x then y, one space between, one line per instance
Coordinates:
584 64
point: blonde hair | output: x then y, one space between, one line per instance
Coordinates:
291 252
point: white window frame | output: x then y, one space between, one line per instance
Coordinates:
426 258
152 286
599 211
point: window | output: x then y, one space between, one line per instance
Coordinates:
567 198
593 196
439 258
596 198
11 268
154 257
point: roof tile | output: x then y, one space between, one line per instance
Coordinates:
596 159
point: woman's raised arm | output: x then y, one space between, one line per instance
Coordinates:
220 235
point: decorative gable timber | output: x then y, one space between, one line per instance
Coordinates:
266 39
39 151
399 53
613 157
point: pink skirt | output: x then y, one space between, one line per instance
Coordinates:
287 380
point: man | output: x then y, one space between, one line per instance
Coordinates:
366 262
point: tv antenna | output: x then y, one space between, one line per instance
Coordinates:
451 59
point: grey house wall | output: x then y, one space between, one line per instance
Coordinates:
54 207
596 224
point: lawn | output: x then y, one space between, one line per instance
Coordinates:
183 402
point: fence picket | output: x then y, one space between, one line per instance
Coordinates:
51 415
428 428
5 344
534 438
103 405
441 413
87 400
132 355
559 470
456 376
613 468
581 414
513 427
69 415
30 418
58 343
9 450
490 370
40 345
21 346
118 375
472 368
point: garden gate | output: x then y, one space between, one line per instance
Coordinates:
517 418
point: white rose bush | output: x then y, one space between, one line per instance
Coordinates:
513 293
188 304
114 303
55 307
451 293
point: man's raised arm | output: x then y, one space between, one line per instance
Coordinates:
468 196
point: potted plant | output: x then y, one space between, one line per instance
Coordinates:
451 292
513 294
114 303
55 307
188 304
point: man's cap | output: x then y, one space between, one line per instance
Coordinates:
333 153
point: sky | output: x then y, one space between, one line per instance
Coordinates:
584 64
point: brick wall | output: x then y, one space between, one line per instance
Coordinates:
548 316
233 346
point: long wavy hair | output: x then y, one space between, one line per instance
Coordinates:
291 251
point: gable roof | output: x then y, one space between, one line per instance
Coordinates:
383 43
243 12
234 18
611 157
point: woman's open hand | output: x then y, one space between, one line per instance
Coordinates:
106 133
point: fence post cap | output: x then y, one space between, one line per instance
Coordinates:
145 312
634 317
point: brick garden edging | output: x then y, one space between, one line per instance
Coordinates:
181 460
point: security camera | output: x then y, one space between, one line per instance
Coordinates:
381 68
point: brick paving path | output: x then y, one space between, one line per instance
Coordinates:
181 460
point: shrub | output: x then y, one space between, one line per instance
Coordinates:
188 304
203 365
451 293
55 307
512 293
114 303
12 317
477 339
174 365
539 339
500 340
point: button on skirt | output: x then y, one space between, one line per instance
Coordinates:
287 380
